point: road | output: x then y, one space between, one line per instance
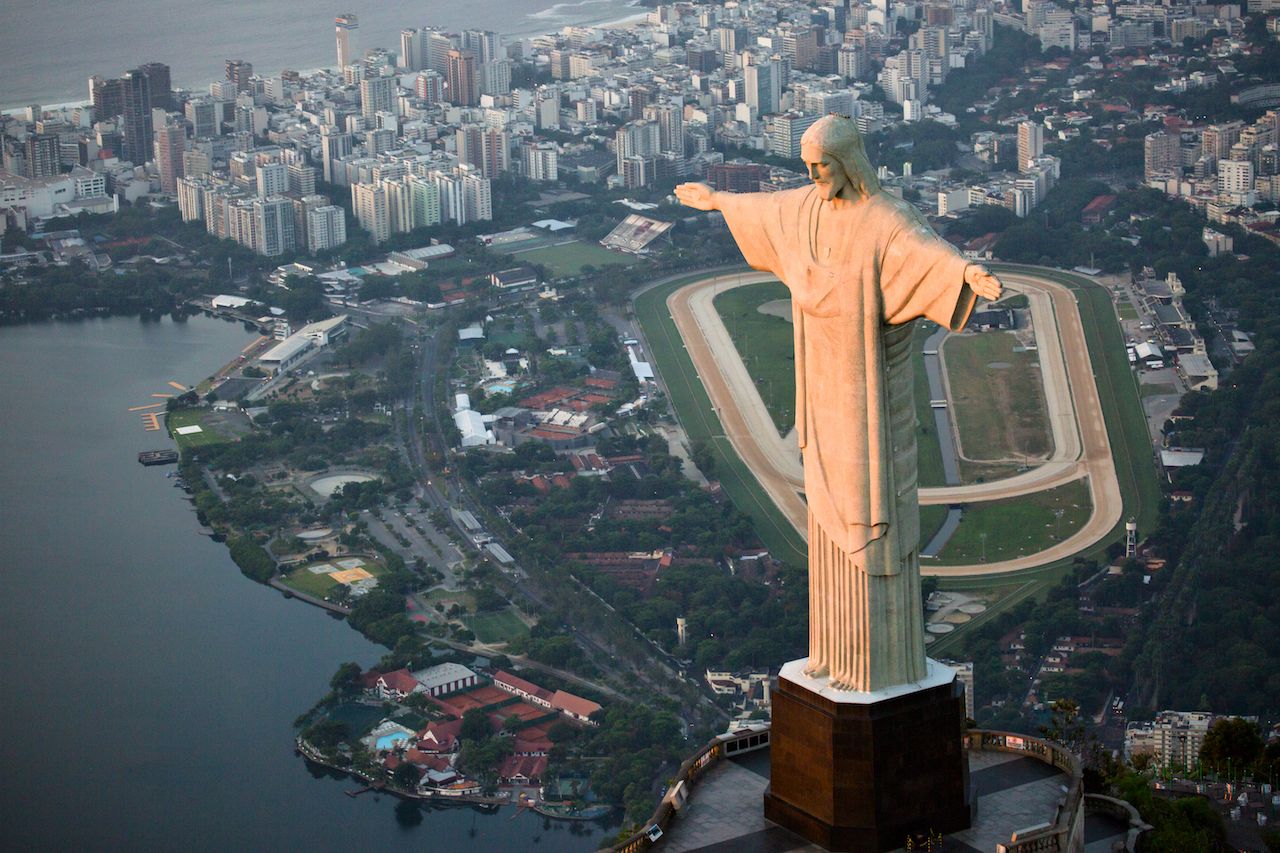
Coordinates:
445 491
1081 445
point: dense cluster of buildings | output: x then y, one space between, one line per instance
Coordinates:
1223 169
416 136
1173 738
515 708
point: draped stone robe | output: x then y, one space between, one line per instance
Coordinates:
853 306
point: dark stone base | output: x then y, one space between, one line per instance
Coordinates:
865 777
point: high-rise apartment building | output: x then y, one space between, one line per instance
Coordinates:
762 80
640 138
41 155
107 97
462 79
302 178
170 143
1235 177
136 127
272 179
436 46
205 117
1217 139
326 228
334 146
539 159
272 226
785 133
485 44
484 148
238 72
377 94
1030 144
345 25
477 195
160 85
670 120
428 87
411 49
369 204
1161 154
495 77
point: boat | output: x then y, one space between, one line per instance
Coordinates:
158 457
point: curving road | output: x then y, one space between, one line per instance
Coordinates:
1081 445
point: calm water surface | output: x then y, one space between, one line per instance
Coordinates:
147 689
49 50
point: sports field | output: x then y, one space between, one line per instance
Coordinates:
997 397
319 579
569 258
1001 530
498 626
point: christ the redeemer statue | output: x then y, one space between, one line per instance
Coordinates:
861 266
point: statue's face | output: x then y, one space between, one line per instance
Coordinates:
827 173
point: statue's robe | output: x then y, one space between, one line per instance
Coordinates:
854 301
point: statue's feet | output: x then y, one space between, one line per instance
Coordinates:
817 670
841 684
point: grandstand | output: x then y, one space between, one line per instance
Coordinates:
634 234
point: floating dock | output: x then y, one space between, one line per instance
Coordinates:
158 457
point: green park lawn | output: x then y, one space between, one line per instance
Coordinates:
1000 411
568 259
498 626
193 417
1017 526
1156 389
765 344
305 581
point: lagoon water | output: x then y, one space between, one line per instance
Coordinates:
147 689
48 51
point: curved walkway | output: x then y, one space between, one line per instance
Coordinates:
1081 445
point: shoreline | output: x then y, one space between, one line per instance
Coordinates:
637 15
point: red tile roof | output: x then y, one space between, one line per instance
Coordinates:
563 701
530 767
401 680
504 677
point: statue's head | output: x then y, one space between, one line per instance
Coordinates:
833 153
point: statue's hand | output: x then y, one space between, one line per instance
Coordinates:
698 196
982 282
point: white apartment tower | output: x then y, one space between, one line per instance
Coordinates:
273 179
345 26
327 228
1030 144
369 203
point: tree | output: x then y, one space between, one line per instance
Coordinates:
346 679
326 734
406 776
1231 744
475 725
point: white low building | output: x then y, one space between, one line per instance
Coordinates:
445 678
473 425
287 354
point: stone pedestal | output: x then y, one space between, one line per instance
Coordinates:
862 771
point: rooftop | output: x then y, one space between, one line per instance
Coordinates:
1013 791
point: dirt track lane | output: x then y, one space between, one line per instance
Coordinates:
775 460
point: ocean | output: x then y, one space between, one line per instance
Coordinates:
48 52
